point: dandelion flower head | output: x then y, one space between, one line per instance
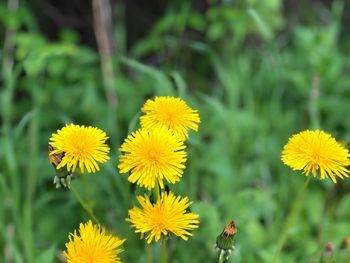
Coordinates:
92 244
313 151
81 146
171 112
153 155
168 214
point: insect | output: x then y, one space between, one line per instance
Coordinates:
230 229
55 158
62 177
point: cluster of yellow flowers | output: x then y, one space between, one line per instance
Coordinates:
154 155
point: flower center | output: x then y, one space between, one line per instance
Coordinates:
160 226
169 115
153 155
80 148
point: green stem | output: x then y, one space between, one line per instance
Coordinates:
32 171
221 256
162 246
327 260
163 252
157 191
293 214
149 255
313 103
84 205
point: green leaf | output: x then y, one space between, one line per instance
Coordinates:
47 256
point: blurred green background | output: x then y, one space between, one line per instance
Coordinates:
257 71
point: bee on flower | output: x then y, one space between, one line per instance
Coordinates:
81 147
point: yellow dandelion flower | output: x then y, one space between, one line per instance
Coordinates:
171 112
311 151
92 244
152 156
80 145
168 214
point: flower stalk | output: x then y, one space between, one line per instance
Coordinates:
224 244
163 251
293 214
328 252
84 204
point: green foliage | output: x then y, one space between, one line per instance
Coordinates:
255 79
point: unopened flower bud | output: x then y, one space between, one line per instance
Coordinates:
224 244
328 253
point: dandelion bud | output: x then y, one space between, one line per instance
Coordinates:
328 253
224 242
